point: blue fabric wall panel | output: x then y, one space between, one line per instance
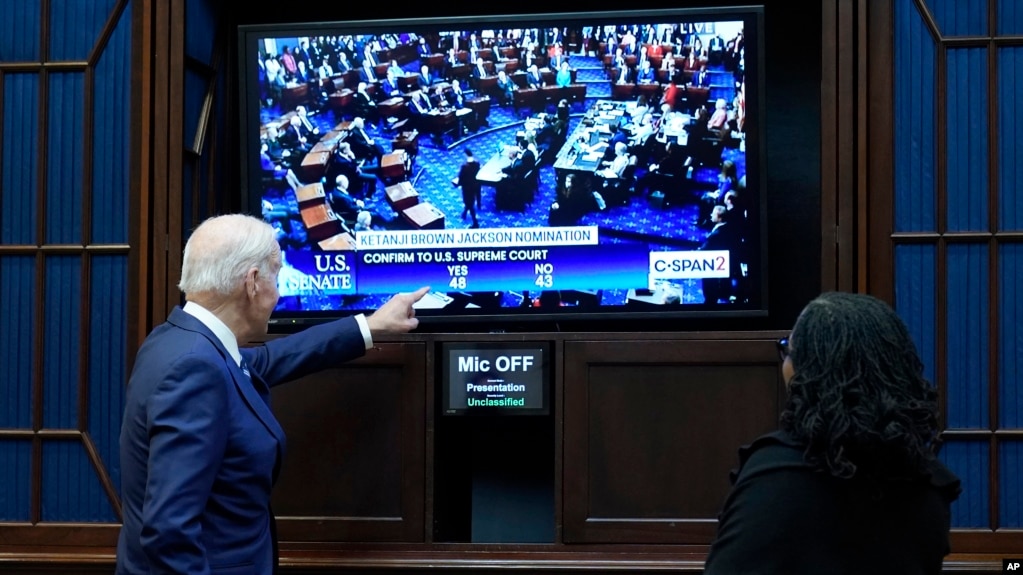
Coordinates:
107 342
110 137
19 183
970 461
19 31
1010 336
967 118
915 114
75 26
914 299
61 341
64 159
1010 484
17 292
15 476
967 336
71 490
201 22
960 17
1010 138
1010 17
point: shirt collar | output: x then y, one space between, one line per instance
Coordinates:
218 327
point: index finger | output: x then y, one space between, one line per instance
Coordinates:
419 293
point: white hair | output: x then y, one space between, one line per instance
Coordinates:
222 250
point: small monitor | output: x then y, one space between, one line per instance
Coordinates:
495 378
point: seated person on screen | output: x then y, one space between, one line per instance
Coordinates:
389 85
359 172
702 78
424 78
303 116
302 74
276 151
506 87
646 73
667 173
367 73
343 65
457 96
440 99
727 180
572 202
364 146
364 105
616 167
619 59
296 138
271 170
368 58
424 48
719 118
533 77
420 104
395 68
324 71
851 477
564 77
624 75
668 62
512 190
480 68
346 206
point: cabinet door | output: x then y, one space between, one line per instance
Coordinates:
651 430
354 469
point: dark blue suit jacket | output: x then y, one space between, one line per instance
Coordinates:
200 447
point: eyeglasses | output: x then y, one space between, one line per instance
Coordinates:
783 348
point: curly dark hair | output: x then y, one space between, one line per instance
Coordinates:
858 399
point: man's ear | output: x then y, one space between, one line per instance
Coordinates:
252 282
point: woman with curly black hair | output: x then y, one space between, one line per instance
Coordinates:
850 483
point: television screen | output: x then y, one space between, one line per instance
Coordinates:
495 378
606 164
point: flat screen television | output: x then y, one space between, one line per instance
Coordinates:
549 166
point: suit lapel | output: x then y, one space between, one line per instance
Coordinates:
246 387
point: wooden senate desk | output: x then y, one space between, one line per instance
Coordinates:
408 141
424 216
393 107
293 95
314 166
401 196
394 166
310 194
320 221
340 242
340 100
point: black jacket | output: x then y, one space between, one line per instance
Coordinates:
785 516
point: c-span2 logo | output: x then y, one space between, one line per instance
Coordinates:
1012 565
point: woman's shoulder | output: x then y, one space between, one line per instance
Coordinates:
779 451
773 450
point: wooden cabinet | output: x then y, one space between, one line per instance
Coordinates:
638 445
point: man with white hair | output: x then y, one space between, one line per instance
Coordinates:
200 447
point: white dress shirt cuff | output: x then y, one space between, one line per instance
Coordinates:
367 336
